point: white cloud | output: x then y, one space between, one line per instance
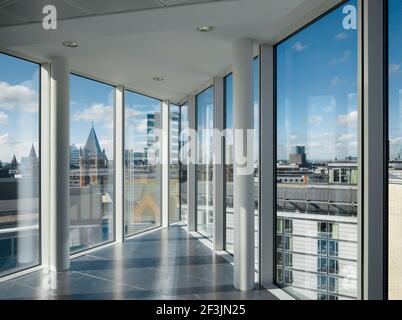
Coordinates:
353 144
20 96
395 69
299 46
97 112
108 145
130 113
345 56
294 137
315 120
3 138
142 126
341 36
348 120
336 81
10 147
396 141
315 145
3 118
346 137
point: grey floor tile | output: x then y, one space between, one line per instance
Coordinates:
167 264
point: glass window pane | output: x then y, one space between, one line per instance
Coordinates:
205 118
229 222
183 165
91 163
317 148
142 169
174 165
19 164
395 151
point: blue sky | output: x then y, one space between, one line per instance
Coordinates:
91 102
204 102
316 90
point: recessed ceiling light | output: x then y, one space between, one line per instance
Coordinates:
158 78
70 44
205 28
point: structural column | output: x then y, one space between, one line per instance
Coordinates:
59 166
373 154
45 162
243 120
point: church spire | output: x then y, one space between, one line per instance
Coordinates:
32 153
92 146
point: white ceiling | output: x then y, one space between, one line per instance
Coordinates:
131 47
15 12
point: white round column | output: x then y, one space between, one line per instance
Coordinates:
60 166
243 119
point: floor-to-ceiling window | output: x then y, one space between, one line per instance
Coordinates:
205 205
229 158
142 165
183 165
395 151
91 163
174 164
317 168
229 218
19 164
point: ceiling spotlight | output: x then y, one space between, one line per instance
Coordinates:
158 78
70 44
205 28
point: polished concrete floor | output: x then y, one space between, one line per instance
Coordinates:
165 264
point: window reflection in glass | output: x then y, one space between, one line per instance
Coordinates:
142 168
183 166
174 164
205 118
